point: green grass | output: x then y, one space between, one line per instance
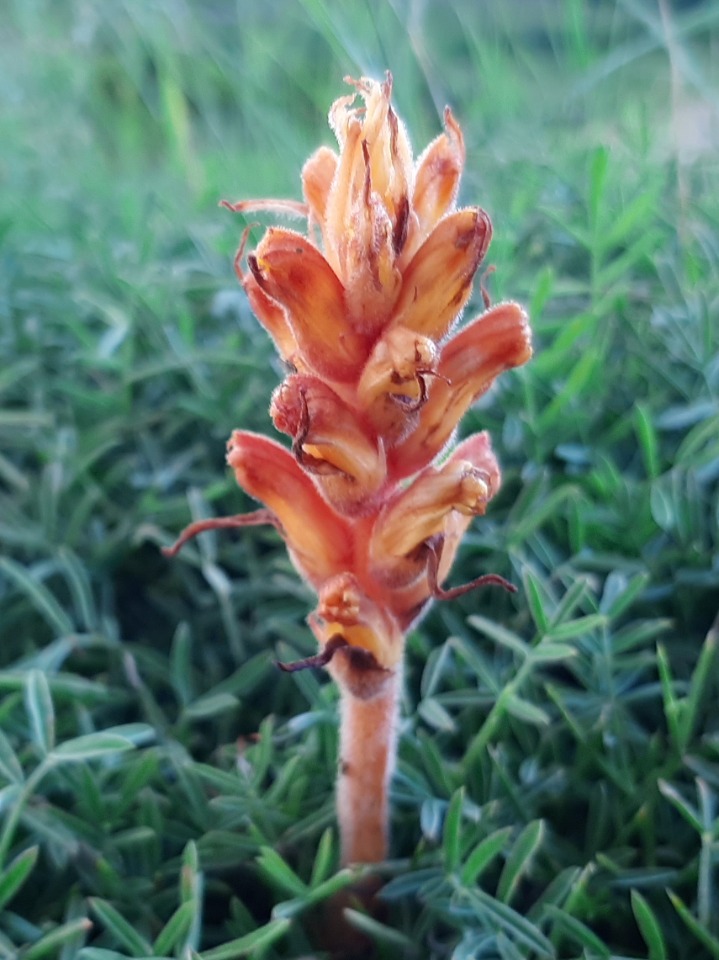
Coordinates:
163 790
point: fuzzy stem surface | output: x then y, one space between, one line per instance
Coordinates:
368 747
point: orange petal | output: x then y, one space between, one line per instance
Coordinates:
469 364
331 442
293 272
371 279
465 483
438 281
318 540
272 317
439 169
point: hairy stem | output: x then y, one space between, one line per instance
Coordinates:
368 745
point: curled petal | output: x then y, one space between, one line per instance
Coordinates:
290 270
439 170
469 364
331 442
464 484
392 387
318 540
438 280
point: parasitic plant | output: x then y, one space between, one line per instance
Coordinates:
373 496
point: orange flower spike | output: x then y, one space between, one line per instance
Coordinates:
375 394
439 170
469 364
290 270
331 442
438 281
318 540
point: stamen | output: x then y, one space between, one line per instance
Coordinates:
320 659
255 519
433 546
486 298
295 208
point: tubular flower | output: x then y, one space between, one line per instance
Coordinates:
362 309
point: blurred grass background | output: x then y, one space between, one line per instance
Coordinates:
557 787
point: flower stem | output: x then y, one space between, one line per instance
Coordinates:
368 746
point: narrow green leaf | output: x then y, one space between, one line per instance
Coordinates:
695 927
190 877
548 652
38 594
649 927
181 664
78 580
438 663
500 635
633 216
620 592
452 834
571 629
483 854
279 873
88 747
378 931
647 437
526 712
672 704
53 940
39 706
513 923
689 812
578 932
703 676
10 767
16 873
100 953
570 601
123 931
536 600
291 908
175 930
435 715
210 705
597 181
262 937
324 858
519 860
507 949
